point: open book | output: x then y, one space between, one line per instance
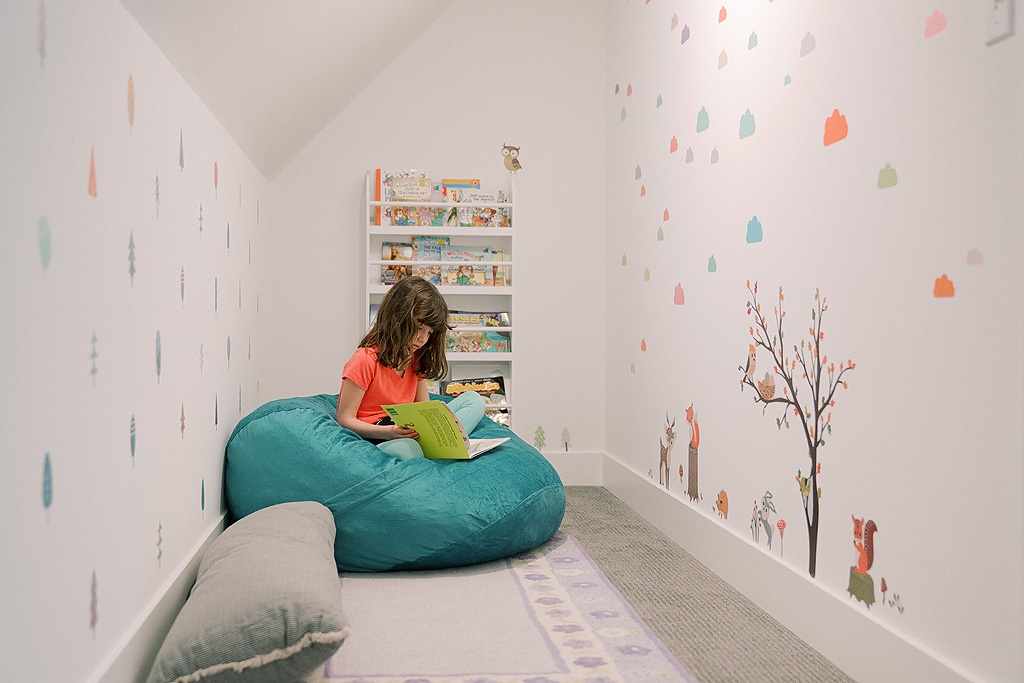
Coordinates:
441 433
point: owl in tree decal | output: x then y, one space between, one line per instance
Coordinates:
511 155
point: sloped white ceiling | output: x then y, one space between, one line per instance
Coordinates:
275 72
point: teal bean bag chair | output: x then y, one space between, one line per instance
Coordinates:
392 514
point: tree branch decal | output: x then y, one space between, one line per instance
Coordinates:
809 385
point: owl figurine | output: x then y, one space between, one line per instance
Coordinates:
511 155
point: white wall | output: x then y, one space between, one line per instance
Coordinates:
130 514
927 439
484 74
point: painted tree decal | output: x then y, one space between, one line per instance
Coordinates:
538 438
566 441
814 411
47 485
131 257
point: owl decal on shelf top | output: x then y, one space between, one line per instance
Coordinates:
511 155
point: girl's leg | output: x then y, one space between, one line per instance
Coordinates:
469 408
403 449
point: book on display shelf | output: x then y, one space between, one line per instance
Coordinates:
459 341
478 318
491 389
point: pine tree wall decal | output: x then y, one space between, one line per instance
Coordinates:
158 354
538 438
131 257
94 355
47 486
133 441
566 441
131 103
92 171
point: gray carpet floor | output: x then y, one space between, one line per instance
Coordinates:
715 632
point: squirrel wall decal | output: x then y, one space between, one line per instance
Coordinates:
863 541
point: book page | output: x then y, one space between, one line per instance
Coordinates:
440 434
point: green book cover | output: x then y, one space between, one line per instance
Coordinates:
441 435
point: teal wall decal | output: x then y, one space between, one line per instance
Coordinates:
45 237
752 41
131 257
747 125
787 80
703 121
712 264
132 441
158 356
47 485
755 232
659 101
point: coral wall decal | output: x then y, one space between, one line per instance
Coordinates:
935 24
836 128
943 287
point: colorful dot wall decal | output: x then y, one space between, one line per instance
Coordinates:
943 287
935 24
787 80
703 120
673 145
712 264
660 101
643 344
836 128
807 44
755 232
678 298
675 21
886 177
752 41
747 125
685 34
45 237
722 14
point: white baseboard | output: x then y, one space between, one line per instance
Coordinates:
132 658
820 618
577 469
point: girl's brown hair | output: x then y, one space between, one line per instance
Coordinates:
409 303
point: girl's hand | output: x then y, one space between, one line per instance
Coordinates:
402 432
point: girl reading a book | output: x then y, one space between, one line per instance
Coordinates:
402 350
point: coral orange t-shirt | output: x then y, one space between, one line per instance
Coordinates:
382 385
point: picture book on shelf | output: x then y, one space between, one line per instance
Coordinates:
492 388
478 342
478 318
441 435
395 251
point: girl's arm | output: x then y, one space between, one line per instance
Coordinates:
348 403
422 394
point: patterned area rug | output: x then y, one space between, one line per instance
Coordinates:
547 616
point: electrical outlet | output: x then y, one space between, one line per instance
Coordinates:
998 20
